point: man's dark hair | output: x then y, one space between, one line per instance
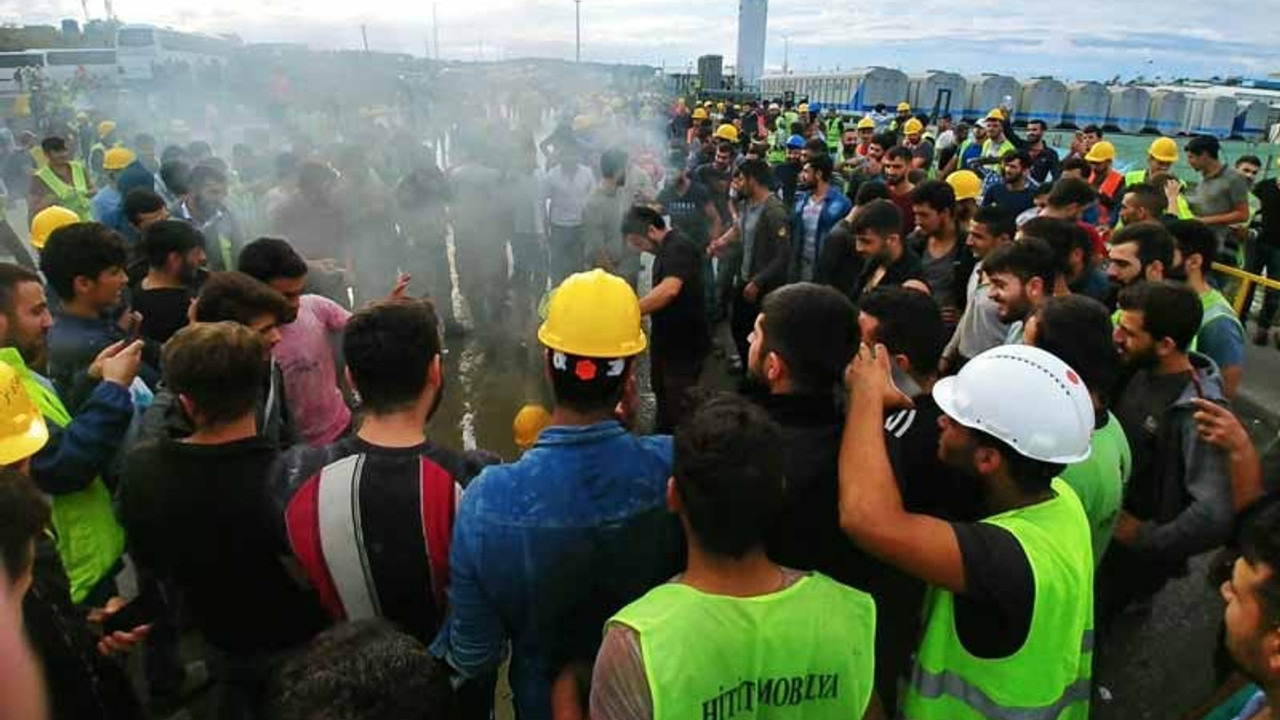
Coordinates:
908 322
239 298
169 236
1028 258
1150 198
53 144
205 174
1042 190
1204 145
220 366
899 152
389 347
612 162
1078 330
1153 241
816 146
757 170
1169 310
814 329
81 249
869 191
24 515
885 140
1067 191
11 276
640 218
1193 237
936 194
176 176
364 670
728 474
1260 546
269 258
1037 121
822 165
1248 160
1093 130
141 201
172 153
1062 236
1022 156
881 217
998 220
1074 163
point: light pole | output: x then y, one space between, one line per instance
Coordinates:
577 33
435 30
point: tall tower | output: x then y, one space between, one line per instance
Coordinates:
753 16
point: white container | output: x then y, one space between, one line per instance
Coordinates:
988 91
878 85
1042 99
1252 119
929 92
1130 107
1212 114
1087 104
1170 113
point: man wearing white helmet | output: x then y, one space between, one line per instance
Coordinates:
1008 620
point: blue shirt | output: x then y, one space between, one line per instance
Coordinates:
549 547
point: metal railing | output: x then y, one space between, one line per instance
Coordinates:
1247 281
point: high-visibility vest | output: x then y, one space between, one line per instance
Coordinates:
1138 177
1004 147
1048 677
74 197
89 538
1216 307
807 651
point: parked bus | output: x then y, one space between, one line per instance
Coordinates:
140 49
12 62
64 64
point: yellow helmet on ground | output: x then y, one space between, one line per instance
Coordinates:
966 184
1101 152
48 220
529 424
727 132
594 314
105 128
117 158
1164 149
22 428
913 127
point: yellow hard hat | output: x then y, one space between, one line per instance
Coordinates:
1101 152
995 114
904 107
594 314
105 128
913 127
720 105
727 132
1163 149
699 114
966 184
117 158
48 220
529 424
802 107
708 104
866 123
22 428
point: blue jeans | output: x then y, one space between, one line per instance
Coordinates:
1262 259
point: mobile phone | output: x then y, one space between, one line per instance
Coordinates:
141 610
135 331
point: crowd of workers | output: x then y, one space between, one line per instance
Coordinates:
984 410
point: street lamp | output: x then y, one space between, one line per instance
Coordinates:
577 17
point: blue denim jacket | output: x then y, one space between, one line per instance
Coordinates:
547 548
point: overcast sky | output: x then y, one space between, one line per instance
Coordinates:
1072 39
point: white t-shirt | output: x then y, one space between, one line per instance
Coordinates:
568 194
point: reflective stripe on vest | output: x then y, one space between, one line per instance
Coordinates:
74 197
1215 307
948 684
339 526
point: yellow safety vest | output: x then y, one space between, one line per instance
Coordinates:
74 197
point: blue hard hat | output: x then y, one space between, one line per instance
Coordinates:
795 142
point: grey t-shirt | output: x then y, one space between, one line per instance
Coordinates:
1218 195
748 219
939 273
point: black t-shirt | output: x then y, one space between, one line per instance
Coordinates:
928 485
1268 194
164 311
688 211
682 325
1141 410
788 176
1015 202
716 181
906 267
993 616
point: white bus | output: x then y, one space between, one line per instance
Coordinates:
12 62
141 48
64 64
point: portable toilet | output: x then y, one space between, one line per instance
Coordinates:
937 92
988 91
1130 106
1043 99
878 85
1087 104
1170 111
1212 114
1252 118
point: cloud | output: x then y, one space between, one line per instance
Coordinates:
1086 38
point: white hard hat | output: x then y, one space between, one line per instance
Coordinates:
1025 397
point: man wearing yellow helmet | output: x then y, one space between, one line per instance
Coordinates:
62 181
108 205
519 576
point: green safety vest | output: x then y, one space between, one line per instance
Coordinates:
1005 146
1216 307
1048 678
807 651
833 134
89 538
1135 177
778 149
74 197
